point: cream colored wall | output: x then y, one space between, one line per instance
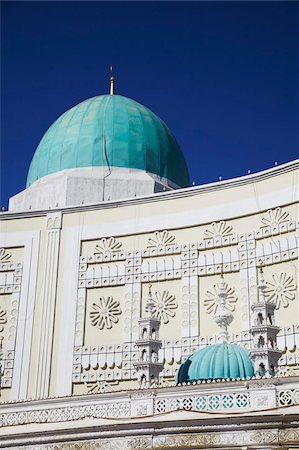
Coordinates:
6 313
20 239
287 311
189 218
207 325
170 328
93 334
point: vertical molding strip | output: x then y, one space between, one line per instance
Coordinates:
70 295
48 300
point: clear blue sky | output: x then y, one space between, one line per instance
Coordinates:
223 76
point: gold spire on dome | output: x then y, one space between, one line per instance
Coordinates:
112 81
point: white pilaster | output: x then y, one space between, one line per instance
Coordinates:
48 301
63 382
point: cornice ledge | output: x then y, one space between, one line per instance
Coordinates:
163 196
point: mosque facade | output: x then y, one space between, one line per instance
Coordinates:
139 312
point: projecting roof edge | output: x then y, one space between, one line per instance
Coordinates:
168 195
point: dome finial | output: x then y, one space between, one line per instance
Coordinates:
112 81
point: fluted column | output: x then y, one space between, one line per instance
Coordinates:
48 300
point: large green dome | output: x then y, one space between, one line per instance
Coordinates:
110 130
219 361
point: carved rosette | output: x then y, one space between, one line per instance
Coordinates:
212 300
275 217
164 305
281 290
105 313
161 239
218 230
107 245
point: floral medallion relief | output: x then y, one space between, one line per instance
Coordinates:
164 306
104 313
281 290
212 298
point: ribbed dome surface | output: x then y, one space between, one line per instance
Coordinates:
214 362
110 130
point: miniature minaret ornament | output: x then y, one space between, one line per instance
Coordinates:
112 81
264 353
223 317
147 367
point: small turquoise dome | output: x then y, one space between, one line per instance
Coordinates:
215 362
110 130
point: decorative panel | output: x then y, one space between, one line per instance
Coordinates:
184 276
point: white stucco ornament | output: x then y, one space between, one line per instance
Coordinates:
105 313
160 239
218 230
108 245
275 217
281 291
212 300
164 305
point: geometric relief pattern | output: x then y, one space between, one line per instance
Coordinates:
164 304
218 230
288 397
160 239
117 409
108 245
218 399
212 300
275 217
105 312
10 283
281 290
204 403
